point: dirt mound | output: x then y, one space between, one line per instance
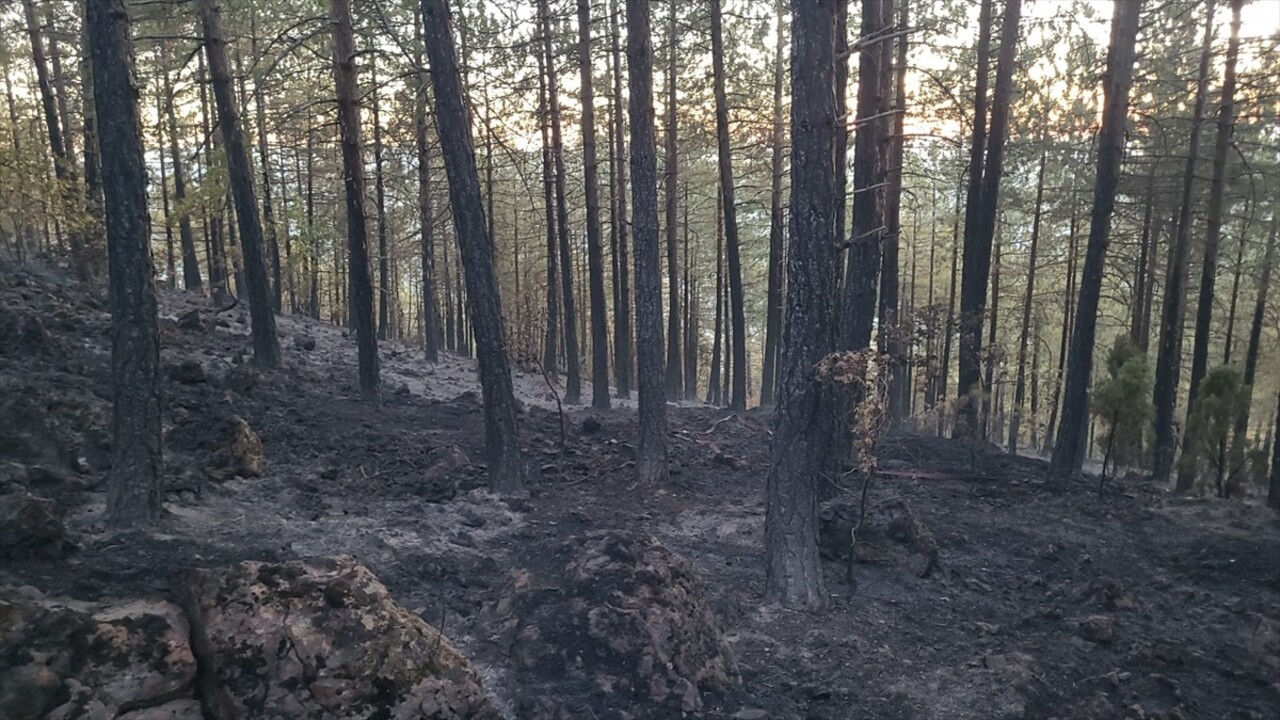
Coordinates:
623 616
321 638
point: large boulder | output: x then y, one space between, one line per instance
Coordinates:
321 638
95 662
31 527
625 617
237 451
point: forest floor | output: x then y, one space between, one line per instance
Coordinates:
1129 605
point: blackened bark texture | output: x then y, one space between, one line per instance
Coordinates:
651 458
1142 276
858 313
573 375
1259 309
992 358
506 470
380 198
670 190
214 245
980 219
272 234
622 364
776 271
714 383
170 265
949 327
1069 450
1068 326
895 334
266 345
1226 118
92 163
591 189
551 342
133 492
803 420
738 398
359 284
1173 312
1025 337
1235 296
426 219
186 239
1273 491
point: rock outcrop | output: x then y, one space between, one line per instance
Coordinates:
31 527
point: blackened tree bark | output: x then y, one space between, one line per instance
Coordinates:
651 458
1273 491
133 492
506 470
1069 450
595 255
359 284
1235 296
1173 312
380 198
573 376
803 421
1028 299
949 327
426 217
170 266
714 384
1255 328
266 345
1142 277
858 314
186 239
551 344
980 218
264 158
92 163
671 189
773 298
214 244
738 399
618 222
894 334
1213 226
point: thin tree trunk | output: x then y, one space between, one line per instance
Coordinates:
551 344
170 266
1235 296
92 163
980 223
426 217
1173 313
215 247
618 222
134 489
1069 451
1068 327
186 239
380 197
1142 277
506 469
803 418
738 399
1028 299
264 157
714 383
671 189
893 330
944 374
651 458
266 345
1259 313
595 255
776 271
360 290
992 354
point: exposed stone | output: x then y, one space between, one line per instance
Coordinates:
1097 628
242 379
626 616
304 342
321 638
590 425
187 372
31 527
193 321
240 454
441 479
71 661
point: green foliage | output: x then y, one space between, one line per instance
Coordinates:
1208 448
1123 402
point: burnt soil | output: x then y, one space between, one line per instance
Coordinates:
1181 597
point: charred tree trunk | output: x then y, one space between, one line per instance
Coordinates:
506 470
1259 312
134 489
595 255
380 197
551 343
1069 451
1028 299
804 418
714 383
944 374
651 458
360 286
426 218
618 223
186 239
170 265
980 218
777 270
892 329
671 189
266 345
738 399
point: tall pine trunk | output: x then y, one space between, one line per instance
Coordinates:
1069 450
426 217
622 331
1028 299
893 328
506 469
671 190
551 341
776 271
186 239
134 488
595 255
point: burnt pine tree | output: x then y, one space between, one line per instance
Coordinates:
359 284
651 457
426 217
133 493
1173 312
266 345
802 422
186 238
1069 450
894 337
1213 227
622 364
551 343
1020 387
980 221
671 191
595 255
506 470
773 298
738 399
